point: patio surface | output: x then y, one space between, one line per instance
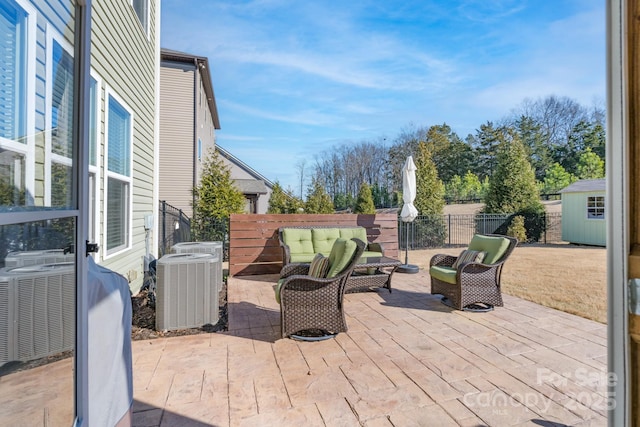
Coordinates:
407 360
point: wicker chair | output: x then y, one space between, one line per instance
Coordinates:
311 308
472 286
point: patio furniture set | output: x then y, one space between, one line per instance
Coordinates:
321 264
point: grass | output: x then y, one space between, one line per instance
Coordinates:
565 277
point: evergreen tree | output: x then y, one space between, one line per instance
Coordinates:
294 205
429 188
512 187
216 196
590 165
453 189
471 186
556 179
364 202
318 200
277 200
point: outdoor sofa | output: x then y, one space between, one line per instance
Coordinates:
301 243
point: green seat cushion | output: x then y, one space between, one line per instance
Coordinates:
277 288
357 232
299 241
341 253
302 257
494 246
366 254
444 274
323 238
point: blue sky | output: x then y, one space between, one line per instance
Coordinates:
293 78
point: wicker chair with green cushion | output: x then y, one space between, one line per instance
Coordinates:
311 307
474 283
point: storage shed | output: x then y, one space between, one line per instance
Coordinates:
583 212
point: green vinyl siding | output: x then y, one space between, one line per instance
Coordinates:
126 61
576 226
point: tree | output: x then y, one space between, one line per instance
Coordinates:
318 200
216 196
590 165
364 203
453 189
512 187
429 188
471 186
277 200
556 179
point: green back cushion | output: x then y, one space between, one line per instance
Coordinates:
323 239
341 253
277 289
298 240
357 232
494 246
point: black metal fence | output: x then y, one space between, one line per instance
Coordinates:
177 227
433 231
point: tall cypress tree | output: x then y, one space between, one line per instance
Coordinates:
364 203
216 196
429 188
512 187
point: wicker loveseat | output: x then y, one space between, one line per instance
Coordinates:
300 244
470 284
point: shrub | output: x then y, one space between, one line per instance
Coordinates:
517 229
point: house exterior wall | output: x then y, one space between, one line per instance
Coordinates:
125 60
176 179
187 132
237 172
576 227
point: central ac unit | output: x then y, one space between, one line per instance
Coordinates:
37 311
214 248
47 256
186 294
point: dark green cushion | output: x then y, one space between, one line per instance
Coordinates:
323 238
357 232
444 274
494 246
298 240
341 253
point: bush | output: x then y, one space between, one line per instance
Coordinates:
517 229
535 223
429 231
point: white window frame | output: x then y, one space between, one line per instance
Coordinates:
143 25
49 156
109 93
95 169
591 210
28 148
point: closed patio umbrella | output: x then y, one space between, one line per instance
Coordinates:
409 212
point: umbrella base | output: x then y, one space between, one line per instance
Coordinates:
407 268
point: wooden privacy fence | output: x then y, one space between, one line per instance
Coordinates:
253 239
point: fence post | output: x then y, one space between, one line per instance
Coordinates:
449 229
164 224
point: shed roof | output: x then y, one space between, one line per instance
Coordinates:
585 185
251 186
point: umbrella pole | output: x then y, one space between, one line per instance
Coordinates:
406 267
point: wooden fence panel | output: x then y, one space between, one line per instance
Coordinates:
253 239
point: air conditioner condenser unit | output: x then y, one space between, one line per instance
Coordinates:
186 294
45 256
214 248
37 311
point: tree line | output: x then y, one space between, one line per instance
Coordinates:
562 140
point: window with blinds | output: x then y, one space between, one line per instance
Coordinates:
119 176
12 69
